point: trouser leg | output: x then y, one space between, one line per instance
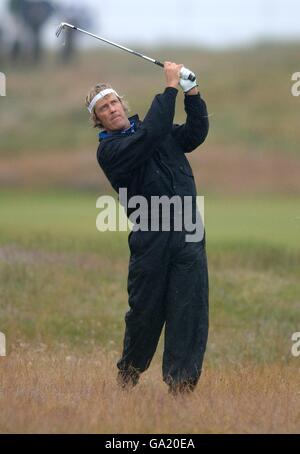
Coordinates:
186 328
147 279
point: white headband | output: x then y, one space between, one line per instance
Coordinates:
101 95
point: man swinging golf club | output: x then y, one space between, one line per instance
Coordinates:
168 277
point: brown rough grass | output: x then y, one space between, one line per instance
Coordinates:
228 170
62 392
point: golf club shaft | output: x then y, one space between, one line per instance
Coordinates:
120 47
138 54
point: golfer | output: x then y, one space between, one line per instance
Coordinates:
168 277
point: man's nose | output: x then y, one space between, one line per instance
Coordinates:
112 108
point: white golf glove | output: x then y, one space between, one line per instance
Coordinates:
184 82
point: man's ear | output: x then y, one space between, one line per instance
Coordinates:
97 120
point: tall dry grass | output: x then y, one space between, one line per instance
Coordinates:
59 392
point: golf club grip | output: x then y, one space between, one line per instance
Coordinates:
191 77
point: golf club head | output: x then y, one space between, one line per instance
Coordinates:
62 26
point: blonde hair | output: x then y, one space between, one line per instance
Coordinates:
92 93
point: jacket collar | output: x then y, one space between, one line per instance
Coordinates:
134 123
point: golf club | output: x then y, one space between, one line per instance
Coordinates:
63 25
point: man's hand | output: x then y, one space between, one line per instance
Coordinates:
177 74
172 73
187 85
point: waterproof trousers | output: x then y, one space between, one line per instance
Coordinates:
167 285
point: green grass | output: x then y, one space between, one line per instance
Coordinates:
67 220
254 221
62 282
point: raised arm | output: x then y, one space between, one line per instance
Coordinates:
193 133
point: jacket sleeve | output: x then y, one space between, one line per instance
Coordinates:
193 133
122 155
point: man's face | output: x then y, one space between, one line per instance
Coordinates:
110 112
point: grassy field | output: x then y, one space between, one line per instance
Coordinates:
63 393
64 220
60 273
63 299
63 284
